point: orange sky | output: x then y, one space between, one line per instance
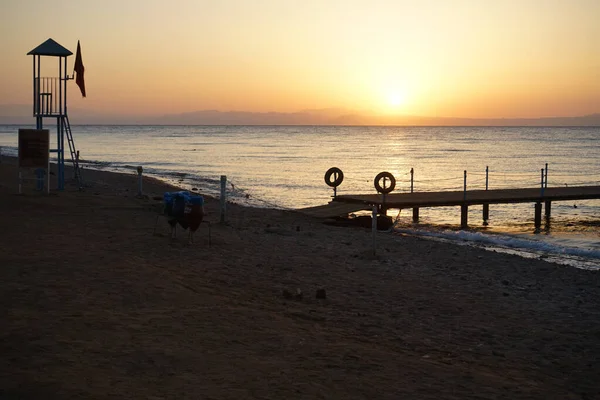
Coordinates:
459 58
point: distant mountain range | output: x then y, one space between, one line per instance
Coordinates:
22 114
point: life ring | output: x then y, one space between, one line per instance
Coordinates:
339 177
385 175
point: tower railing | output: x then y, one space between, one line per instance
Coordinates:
47 95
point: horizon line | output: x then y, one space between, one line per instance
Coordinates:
334 125
343 113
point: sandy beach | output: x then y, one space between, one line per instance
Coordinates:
95 305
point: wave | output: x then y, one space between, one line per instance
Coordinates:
9 151
587 258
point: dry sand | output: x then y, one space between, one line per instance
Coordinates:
95 306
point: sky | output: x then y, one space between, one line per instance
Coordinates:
459 58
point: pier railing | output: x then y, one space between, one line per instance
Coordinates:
492 179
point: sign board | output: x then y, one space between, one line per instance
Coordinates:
34 148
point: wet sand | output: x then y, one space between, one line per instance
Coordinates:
97 306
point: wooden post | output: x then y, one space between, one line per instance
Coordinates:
139 171
547 208
223 197
412 180
374 228
464 216
546 176
486 207
416 215
537 221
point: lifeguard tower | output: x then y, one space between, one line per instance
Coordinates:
50 101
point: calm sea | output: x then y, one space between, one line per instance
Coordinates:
283 166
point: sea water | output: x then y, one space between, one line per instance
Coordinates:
284 166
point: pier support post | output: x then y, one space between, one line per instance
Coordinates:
486 213
416 215
464 216
537 220
547 208
223 199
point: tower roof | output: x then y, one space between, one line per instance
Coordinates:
50 48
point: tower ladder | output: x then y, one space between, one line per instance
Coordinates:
72 150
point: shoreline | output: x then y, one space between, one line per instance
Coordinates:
561 248
97 306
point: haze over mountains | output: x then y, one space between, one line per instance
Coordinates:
22 114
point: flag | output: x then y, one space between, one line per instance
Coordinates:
79 69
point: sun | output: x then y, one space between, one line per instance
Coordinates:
396 99
393 100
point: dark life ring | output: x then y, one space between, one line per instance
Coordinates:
385 175
339 177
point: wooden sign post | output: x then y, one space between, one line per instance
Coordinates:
34 151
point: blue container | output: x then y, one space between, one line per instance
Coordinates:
196 200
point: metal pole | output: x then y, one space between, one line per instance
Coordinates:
60 88
76 171
542 182
63 122
487 170
48 169
65 83
412 179
223 197
34 108
61 154
374 228
39 121
335 176
546 176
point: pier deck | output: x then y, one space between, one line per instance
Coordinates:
344 204
473 197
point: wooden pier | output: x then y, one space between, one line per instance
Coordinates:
464 199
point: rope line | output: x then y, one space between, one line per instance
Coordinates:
437 179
